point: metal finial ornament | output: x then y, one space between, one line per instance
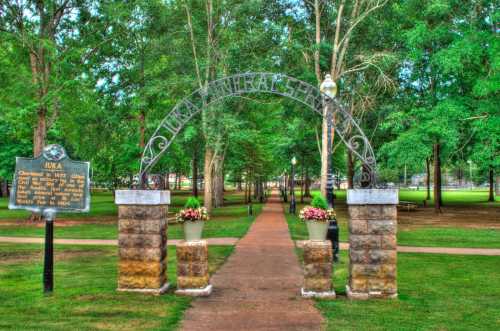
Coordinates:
54 152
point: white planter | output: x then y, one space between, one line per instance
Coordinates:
193 230
317 230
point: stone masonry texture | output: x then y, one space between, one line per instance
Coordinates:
142 247
318 266
373 251
192 265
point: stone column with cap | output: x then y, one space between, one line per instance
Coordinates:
192 269
318 269
372 241
142 240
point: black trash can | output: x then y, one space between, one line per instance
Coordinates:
333 236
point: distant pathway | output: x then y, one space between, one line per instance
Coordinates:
258 288
229 241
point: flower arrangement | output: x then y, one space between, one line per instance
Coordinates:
192 212
318 211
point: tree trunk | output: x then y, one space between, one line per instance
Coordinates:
239 186
317 13
405 177
460 176
142 130
302 182
4 188
218 181
208 179
497 189
307 191
194 181
428 178
491 197
261 191
350 170
255 189
161 182
256 192
437 178
246 190
167 180
40 132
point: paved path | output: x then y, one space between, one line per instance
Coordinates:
229 241
258 288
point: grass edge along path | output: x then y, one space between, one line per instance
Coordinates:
85 295
436 292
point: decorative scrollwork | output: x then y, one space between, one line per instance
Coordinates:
262 82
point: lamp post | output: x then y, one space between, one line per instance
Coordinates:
329 90
470 173
285 196
292 187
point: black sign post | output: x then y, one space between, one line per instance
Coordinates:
48 261
49 184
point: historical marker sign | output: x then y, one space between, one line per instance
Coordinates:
51 182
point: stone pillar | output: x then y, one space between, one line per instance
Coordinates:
318 268
372 241
192 269
142 240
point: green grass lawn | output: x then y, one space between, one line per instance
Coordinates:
461 197
102 204
85 296
450 237
232 220
229 221
426 236
436 292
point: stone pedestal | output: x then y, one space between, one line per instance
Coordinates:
192 269
142 240
318 268
372 241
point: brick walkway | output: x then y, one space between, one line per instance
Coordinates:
258 288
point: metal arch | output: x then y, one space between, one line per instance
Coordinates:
260 82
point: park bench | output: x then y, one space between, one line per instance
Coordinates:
407 205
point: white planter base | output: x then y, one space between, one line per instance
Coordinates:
193 230
195 292
324 295
153 291
368 295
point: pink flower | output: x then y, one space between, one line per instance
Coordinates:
190 214
316 214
